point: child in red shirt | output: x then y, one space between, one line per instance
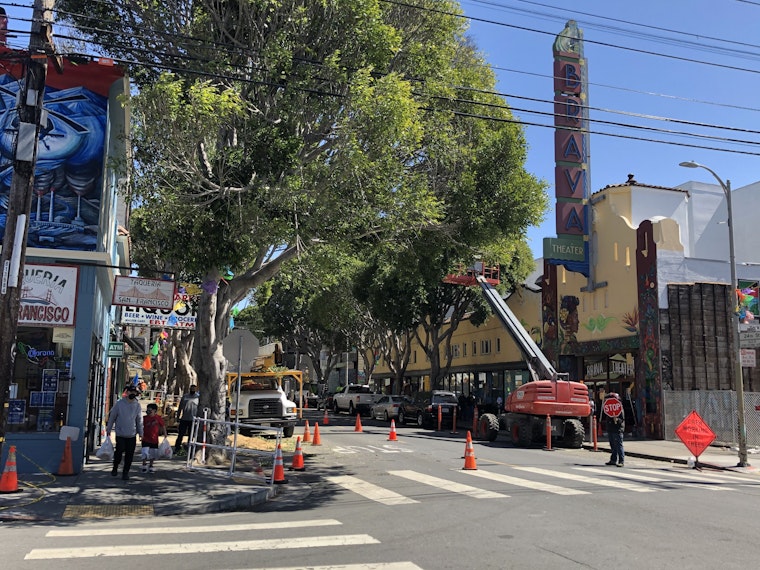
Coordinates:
153 426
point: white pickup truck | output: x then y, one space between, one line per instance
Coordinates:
355 398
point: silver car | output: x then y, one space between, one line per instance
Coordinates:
386 408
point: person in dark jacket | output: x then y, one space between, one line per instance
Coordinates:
615 426
186 412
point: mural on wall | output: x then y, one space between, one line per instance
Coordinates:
631 320
68 177
568 321
747 297
648 375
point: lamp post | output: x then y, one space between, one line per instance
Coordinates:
726 186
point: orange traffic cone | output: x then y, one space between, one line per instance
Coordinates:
9 480
325 419
66 467
306 434
392 436
298 457
358 426
469 436
469 456
317 439
278 476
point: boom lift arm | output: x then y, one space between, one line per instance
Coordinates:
539 366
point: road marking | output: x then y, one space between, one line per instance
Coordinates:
697 478
742 480
370 491
447 485
386 448
369 566
201 547
90 531
636 476
537 485
589 480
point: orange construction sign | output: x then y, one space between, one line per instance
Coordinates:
695 434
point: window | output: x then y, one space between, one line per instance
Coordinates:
485 346
474 348
39 389
498 344
454 351
464 349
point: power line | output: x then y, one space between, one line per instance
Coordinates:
670 41
319 92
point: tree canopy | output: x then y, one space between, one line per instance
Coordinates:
265 129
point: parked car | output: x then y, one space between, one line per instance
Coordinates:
327 403
387 407
355 398
422 409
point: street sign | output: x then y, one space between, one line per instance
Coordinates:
695 434
749 339
612 407
748 357
115 350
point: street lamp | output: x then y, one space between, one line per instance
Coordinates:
726 186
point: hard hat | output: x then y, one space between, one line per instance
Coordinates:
613 395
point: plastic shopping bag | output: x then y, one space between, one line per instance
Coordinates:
165 449
105 451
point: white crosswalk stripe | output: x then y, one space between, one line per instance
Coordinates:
700 477
448 485
71 532
109 549
518 482
370 491
199 547
589 480
637 476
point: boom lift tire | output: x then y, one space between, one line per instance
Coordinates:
489 427
521 432
574 434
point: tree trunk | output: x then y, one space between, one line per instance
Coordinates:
212 326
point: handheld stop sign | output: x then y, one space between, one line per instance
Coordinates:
612 407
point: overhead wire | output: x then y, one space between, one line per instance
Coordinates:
200 43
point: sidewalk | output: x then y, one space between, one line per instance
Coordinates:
175 490
715 456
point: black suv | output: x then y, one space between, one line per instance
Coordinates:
423 408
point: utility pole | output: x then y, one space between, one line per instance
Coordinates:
12 257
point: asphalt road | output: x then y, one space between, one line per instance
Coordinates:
366 502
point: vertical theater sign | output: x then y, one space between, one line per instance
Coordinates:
571 172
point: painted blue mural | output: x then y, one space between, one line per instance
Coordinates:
70 158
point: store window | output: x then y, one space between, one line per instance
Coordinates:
39 389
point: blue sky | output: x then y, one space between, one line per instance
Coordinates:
720 87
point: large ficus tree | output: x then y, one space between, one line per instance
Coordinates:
265 127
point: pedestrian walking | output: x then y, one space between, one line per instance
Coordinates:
153 427
126 419
613 416
186 412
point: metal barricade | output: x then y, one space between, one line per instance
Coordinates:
239 462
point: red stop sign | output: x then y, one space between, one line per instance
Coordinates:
612 407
